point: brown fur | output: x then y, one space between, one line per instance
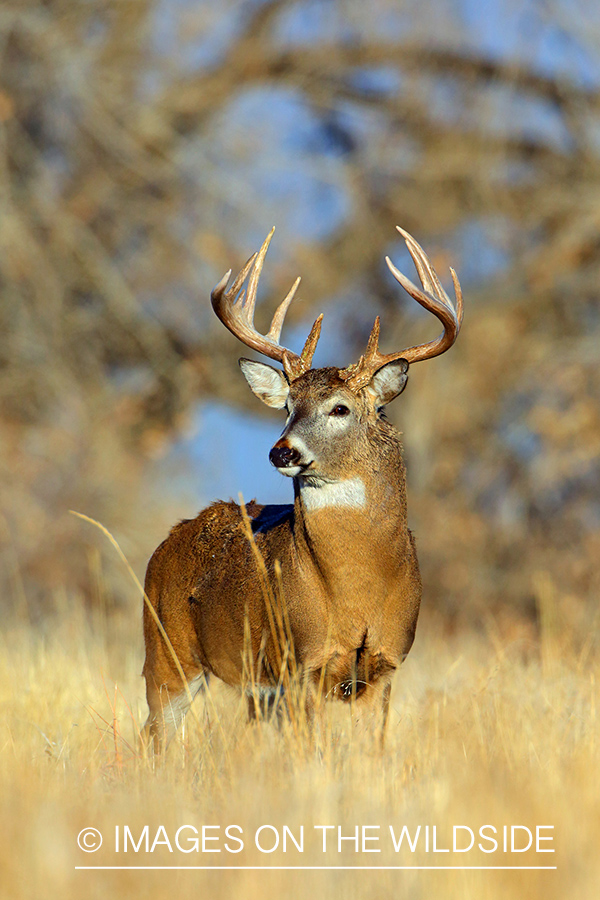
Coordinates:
350 576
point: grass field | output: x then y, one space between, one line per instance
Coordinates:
486 728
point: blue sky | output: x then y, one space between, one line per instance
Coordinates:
225 450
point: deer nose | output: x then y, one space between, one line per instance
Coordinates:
284 456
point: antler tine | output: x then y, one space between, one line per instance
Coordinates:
429 277
240 278
250 302
310 345
218 294
425 270
434 298
274 331
236 312
439 304
459 307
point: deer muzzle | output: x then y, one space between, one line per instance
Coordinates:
283 456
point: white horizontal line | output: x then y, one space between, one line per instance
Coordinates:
315 868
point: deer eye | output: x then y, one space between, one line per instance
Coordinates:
339 410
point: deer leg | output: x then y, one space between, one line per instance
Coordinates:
369 712
168 705
313 710
385 711
262 702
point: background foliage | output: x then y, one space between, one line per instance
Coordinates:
147 146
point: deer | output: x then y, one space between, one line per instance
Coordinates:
340 558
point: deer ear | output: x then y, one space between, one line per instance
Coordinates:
389 381
269 384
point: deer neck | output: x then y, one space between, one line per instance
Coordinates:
354 523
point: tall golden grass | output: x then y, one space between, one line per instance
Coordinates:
485 729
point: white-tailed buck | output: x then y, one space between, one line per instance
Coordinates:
328 586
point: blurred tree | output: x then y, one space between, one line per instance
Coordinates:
146 147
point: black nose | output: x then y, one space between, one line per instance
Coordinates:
284 456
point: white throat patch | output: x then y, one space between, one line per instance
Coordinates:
349 493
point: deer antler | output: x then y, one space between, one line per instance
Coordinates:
237 314
433 297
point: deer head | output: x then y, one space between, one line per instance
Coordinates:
325 405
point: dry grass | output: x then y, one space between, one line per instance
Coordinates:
482 731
